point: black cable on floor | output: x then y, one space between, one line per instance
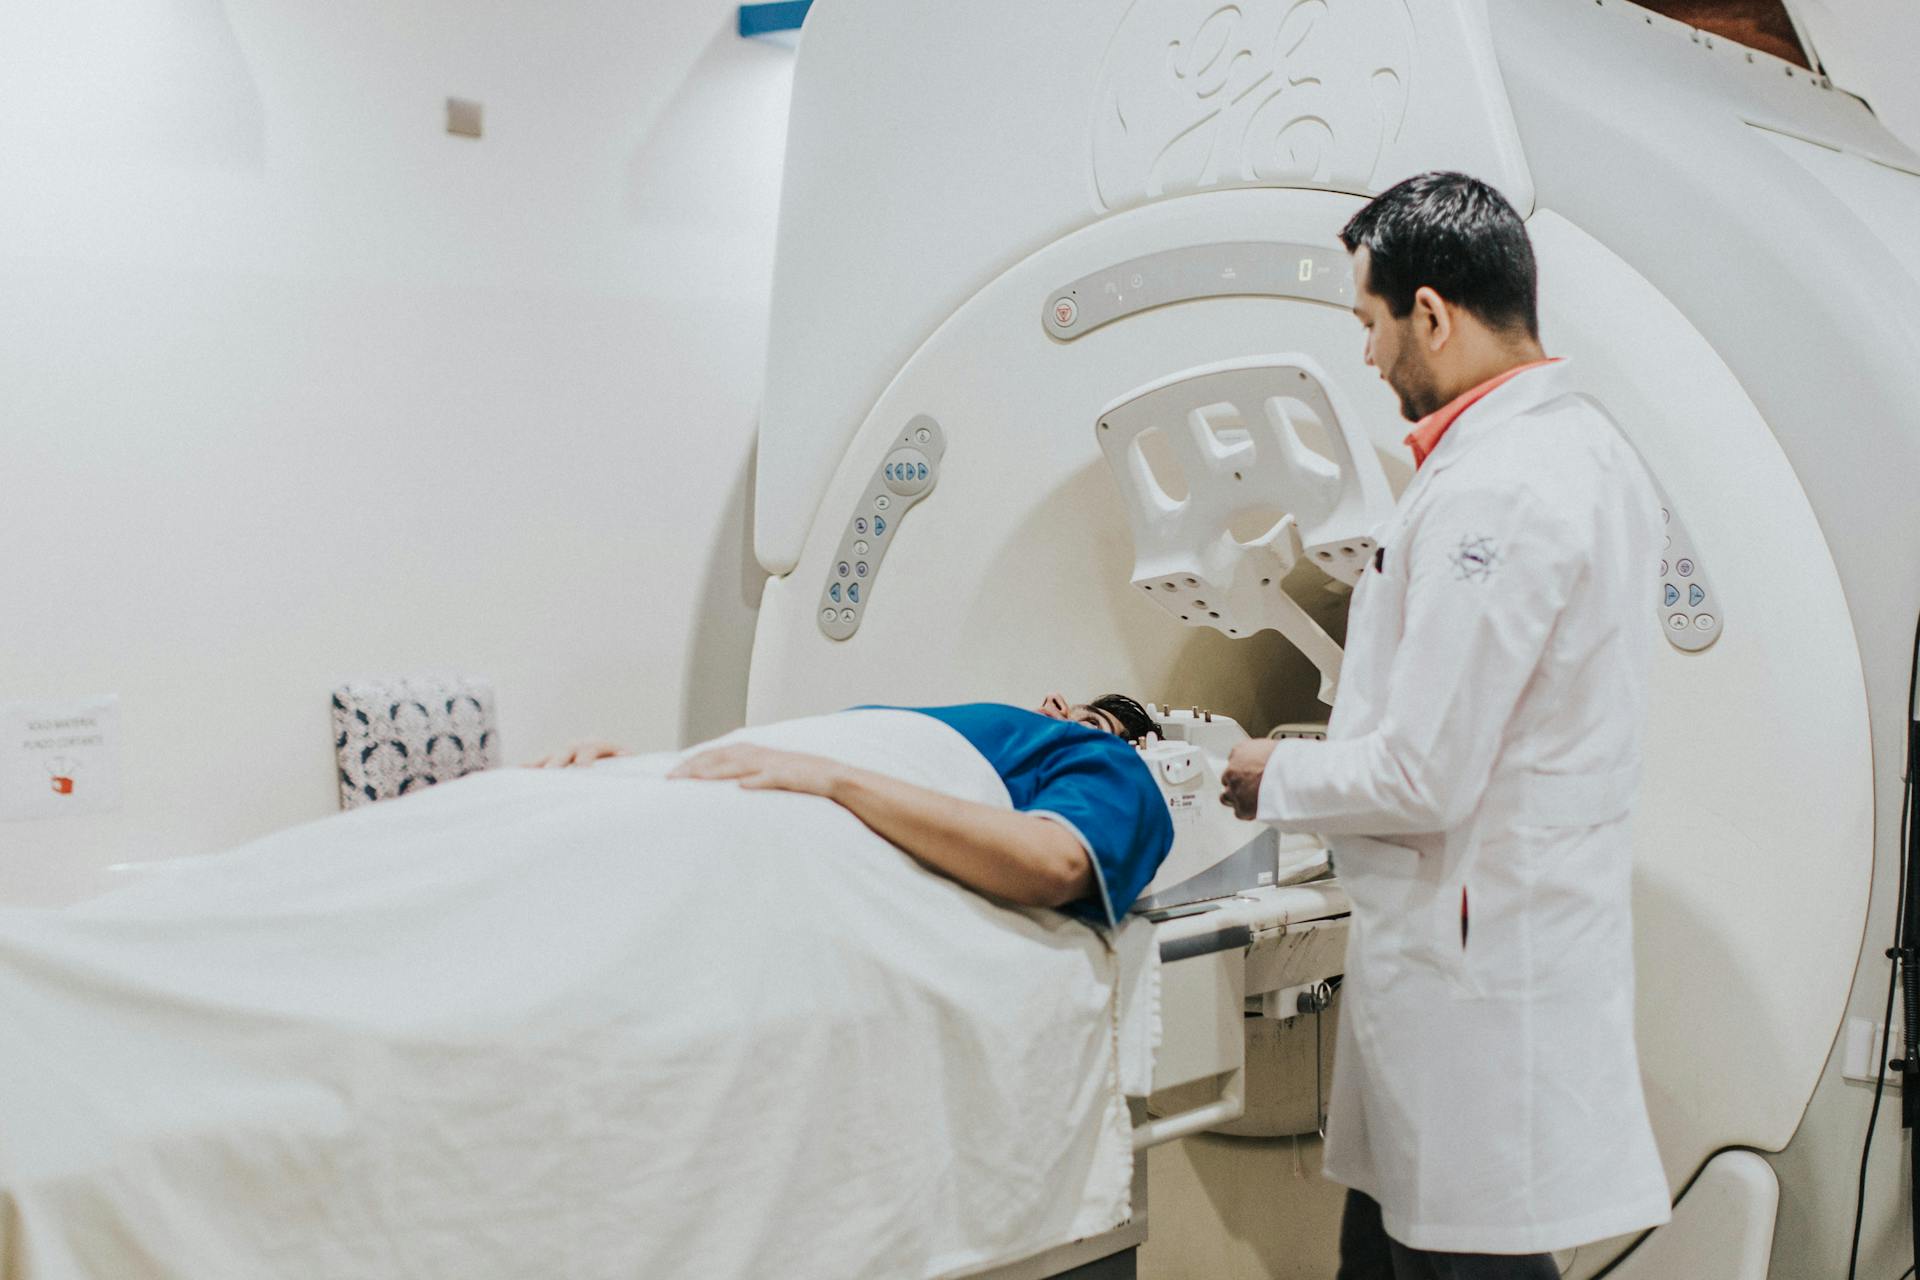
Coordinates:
1893 975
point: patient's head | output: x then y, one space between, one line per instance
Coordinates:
1113 713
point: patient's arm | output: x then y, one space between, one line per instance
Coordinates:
1018 857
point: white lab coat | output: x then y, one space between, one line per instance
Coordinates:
1486 742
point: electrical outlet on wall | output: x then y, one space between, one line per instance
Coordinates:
1868 1047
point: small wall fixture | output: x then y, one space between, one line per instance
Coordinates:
463 117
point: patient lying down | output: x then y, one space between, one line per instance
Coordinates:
1086 831
670 1016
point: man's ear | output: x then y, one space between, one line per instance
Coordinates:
1432 318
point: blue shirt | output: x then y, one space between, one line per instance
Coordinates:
1093 782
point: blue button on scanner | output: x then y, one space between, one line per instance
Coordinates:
1673 595
1695 595
853 592
833 593
879 525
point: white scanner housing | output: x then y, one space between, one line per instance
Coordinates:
1728 251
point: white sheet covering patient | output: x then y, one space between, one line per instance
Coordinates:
1087 830
582 1023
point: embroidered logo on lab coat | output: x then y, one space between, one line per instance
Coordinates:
1476 560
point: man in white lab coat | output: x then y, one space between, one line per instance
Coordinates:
1477 778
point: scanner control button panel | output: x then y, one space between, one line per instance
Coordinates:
1684 597
907 474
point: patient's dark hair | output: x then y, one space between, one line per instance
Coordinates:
1135 721
1457 236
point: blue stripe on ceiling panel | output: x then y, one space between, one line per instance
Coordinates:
781 15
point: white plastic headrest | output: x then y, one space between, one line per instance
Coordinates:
1257 497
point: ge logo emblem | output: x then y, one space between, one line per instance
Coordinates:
1198 94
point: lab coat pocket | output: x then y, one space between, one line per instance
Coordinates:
1462 899
1379 601
1437 944
1468 935
1366 865
1491 916
1386 883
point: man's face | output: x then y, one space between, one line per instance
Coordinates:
1056 707
1392 347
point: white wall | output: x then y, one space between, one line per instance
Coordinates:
296 388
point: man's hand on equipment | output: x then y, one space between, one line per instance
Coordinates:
764 769
580 753
1240 784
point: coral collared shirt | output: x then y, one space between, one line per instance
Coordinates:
1425 437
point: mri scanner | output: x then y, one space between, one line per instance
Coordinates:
1008 228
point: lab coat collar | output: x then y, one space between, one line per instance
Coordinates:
1520 394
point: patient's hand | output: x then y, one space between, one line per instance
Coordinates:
584 752
764 769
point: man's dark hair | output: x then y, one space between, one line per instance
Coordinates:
1455 235
1135 721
